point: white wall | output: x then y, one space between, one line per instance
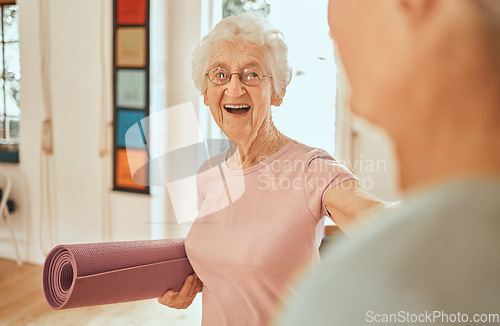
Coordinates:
374 160
181 21
76 82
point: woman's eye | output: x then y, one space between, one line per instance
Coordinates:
220 75
252 75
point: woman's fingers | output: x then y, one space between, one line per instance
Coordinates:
185 296
196 284
167 297
186 287
192 284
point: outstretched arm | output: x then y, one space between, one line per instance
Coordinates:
348 204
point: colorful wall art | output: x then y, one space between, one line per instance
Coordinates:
131 95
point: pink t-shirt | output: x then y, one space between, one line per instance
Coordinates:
256 229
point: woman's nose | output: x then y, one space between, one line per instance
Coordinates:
235 87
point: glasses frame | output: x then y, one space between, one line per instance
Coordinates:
240 77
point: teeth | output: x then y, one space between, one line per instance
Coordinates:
243 106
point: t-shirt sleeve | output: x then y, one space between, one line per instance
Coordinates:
322 173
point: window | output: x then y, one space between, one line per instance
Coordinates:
237 7
308 110
10 111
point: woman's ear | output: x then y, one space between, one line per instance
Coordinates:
277 100
205 98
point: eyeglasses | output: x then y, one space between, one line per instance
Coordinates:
249 76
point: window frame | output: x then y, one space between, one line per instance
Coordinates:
9 152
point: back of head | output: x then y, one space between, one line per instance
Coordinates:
248 29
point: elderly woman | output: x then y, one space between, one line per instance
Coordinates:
247 251
427 71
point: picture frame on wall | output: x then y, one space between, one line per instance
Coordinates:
131 95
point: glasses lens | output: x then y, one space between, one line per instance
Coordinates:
251 77
219 75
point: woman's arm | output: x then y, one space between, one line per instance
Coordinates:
348 204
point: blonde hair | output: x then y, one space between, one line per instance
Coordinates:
249 29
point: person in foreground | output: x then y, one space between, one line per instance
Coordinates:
428 72
261 224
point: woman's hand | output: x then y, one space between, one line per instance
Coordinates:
182 299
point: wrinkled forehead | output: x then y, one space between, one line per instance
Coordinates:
238 55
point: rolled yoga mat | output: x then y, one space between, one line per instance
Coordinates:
93 274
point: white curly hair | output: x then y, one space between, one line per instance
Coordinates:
249 29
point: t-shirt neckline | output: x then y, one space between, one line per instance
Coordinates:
262 164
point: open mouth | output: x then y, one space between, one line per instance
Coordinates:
237 109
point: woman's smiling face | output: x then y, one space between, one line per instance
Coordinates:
240 110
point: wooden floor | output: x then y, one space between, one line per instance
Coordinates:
20 293
22 302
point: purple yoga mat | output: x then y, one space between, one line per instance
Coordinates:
93 274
